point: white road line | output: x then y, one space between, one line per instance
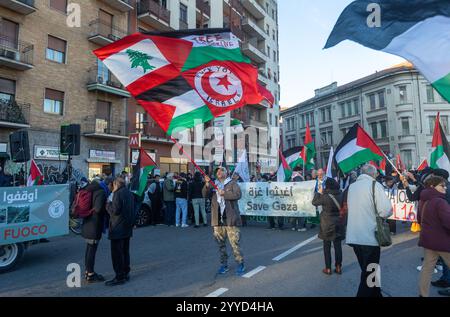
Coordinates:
298 246
254 272
313 249
218 292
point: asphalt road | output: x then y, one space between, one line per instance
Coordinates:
179 262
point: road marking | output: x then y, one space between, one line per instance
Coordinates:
218 292
298 246
254 272
313 249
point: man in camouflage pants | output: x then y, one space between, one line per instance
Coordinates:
225 217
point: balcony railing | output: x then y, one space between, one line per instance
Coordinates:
153 7
121 5
16 54
104 32
105 81
14 112
204 7
20 6
96 126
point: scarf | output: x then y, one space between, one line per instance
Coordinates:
221 199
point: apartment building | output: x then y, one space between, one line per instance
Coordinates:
49 76
396 106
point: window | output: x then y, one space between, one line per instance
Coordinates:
56 50
372 100
268 51
53 102
60 5
381 100
311 122
330 138
323 115
9 33
106 23
374 129
349 109
405 126
329 113
103 117
383 125
139 122
430 94
342 105
274 56
7 89
356 106
303 121
323 138
403 94
183 13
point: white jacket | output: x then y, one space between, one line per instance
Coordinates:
361 224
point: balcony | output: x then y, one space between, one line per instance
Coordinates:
103 129
262 77
152 133
237 5
16 54
152 13
236 31
204 7
254 53
121 5
21 6
254 8
14 115
253 29
103 34
105 82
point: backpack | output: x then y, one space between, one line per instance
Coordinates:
82 206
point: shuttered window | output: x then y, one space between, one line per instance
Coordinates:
56 50
9 33
60 5
7 89
54 101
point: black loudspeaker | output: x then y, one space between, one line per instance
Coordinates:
20 147
70 139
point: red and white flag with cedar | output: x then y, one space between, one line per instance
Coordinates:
35 177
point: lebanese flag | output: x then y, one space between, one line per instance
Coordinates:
284 172
357 148
423 165
440 153
35 177
144 166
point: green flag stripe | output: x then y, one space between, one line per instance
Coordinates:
443 87
204 55
143 178
188 120
357 159
436 155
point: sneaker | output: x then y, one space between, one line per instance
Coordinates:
440 284
302 230
240 269
184 226
419 268
94 278
223 269
294 229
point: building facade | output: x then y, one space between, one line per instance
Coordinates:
49 76
396 106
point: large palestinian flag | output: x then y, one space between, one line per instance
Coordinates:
357 148
284 172
440 153
143 167
417 30
184 78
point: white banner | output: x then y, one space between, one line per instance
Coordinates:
403 209
277 199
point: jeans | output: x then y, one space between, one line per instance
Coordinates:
120 254
367 255
89 258
169 215
298 222
181 208
337 252
280 222
199 206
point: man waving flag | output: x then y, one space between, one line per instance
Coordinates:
416 30
184 78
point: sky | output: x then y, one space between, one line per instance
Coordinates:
304 27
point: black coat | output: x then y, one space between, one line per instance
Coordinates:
195 189
331 226
93 226
121 212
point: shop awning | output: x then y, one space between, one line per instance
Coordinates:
102 160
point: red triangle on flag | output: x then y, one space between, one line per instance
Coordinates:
146 160
365 141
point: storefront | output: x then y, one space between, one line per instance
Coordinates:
173 165
102 163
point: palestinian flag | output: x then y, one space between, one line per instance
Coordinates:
357 148
143 167
184 78
423 165
374 164
284 172
383 166
309 149
440 153
416 30
35 177
293 157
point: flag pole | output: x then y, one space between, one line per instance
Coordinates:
392 164
192 161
